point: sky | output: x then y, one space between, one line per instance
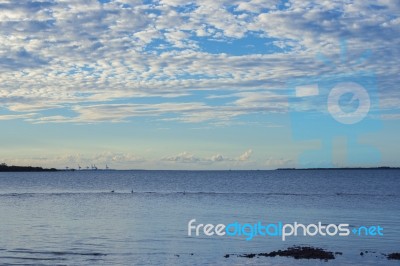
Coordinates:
175 84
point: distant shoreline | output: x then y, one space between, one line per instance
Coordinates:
13 168
343 168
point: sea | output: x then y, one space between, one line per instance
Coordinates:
142 217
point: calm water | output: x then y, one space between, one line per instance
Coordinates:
72 218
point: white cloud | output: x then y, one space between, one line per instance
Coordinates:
186 157
67 55
217 158
19 116
245 156
256 6
111 159
279 163
183 157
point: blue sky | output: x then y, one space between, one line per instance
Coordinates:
197 85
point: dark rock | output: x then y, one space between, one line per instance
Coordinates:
297 252
226 256
250 256
362 253
393 256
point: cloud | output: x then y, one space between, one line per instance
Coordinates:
183 157
18 116
390 116
217 158
256 6
68 56
279 163
245 156
111 159
186 157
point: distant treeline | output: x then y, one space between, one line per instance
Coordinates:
343 168
5 168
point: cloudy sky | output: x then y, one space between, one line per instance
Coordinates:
175 84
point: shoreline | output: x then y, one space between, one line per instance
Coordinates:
13 168
342 168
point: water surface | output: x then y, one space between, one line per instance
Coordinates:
72 218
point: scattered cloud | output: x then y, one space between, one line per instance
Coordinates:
101 160
80 59
12 117
280 163
199 64
246 155
186 157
